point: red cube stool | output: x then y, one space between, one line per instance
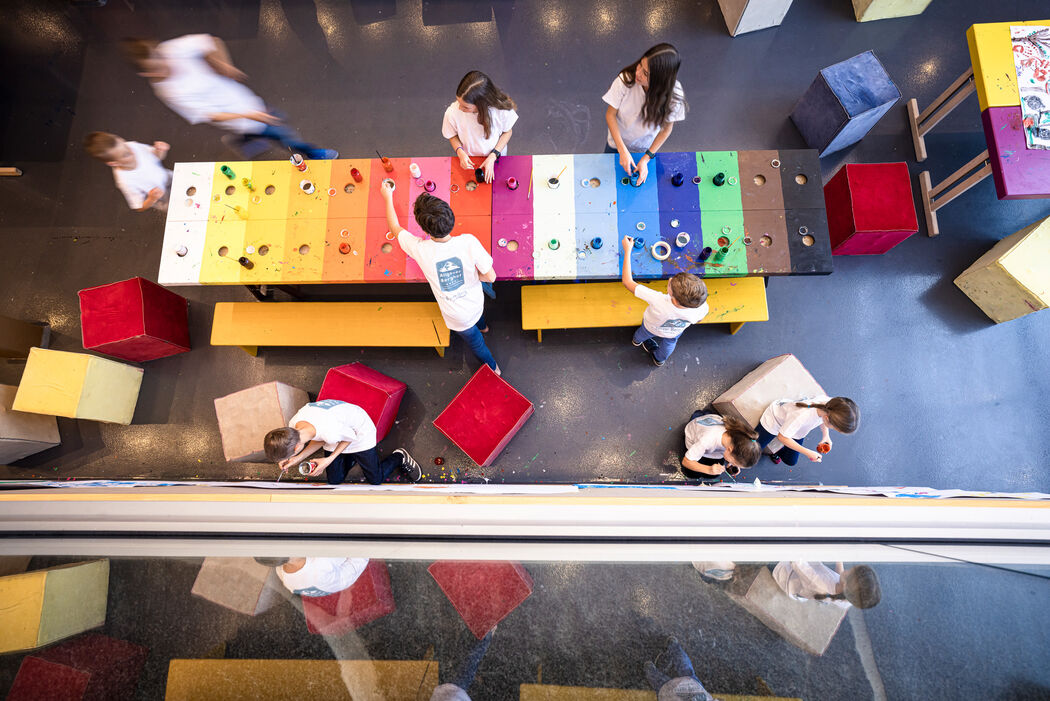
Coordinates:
483 593
134 320
484 416
89 667
379 395
362 602
870 208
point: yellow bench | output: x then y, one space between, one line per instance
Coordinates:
391 324
546 692
603 304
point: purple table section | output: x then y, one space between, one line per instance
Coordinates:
1020 173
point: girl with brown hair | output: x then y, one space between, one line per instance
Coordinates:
716 444
789 420
645 100
478 124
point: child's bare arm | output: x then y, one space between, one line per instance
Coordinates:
161 148
627 277
702 468
391 216
255 115
490 276
308 450
151 198
796 446
325 462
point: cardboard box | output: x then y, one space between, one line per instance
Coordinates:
246 417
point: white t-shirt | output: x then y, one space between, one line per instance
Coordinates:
194 91
321 576
783 417
703 437
629 101
466 126
683 689
336 421
662 318
147 174
451 267
449 692
804 580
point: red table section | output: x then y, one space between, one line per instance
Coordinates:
483 593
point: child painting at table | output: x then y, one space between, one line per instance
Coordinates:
455 267
137 169
479 123
644 101
790 420
716 444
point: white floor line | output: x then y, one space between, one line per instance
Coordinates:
862 643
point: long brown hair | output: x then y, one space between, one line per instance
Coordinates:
843 414
660 98
479 90
744 441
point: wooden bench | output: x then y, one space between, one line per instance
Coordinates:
391 324
603 304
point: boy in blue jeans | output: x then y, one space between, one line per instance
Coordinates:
667 315
455 267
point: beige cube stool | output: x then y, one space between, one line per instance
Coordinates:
23 434
743 16
238 583
1012 279
246 417
78 386
781 377
867 10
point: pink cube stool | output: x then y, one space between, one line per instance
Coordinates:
134 320
367 599
379 395
484 416
90 667
483 593
870 208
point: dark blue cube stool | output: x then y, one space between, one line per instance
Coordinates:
844 102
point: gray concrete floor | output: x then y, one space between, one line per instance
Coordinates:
949 400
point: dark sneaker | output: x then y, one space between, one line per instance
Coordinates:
657 363
775 458
325 154
410 467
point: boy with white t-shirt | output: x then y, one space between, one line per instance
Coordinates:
348 436
316 576
803 581
454 266
668 315
137 169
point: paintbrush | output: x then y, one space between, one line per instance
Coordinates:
558 176
529 197
379 154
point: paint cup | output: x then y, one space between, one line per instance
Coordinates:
356 175
228 172
553 183
823 448
634 179
705 254
696 180
719 180
479 175
387 165
677 179
344 248
413 168
732 470
181 251
596 242
512 183
246 263
248 184
307 187
298 162
682 240
307 467
554 244
639 243
430 186
722 253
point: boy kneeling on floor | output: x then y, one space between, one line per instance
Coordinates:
348 436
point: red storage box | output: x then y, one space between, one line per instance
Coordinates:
483 593
367 599
484 416
379 395
870 208
90 667
134 320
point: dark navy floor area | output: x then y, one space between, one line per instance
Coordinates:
948 399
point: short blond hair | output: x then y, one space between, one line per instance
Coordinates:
688 290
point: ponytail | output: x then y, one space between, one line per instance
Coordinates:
843 413
744 440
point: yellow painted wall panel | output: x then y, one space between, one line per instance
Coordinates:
22 597
51 383
110 391
868 10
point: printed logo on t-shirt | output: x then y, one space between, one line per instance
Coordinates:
312 591
327 403
450 274
674 324
709 421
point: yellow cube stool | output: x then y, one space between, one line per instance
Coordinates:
1012 279
45 606
867 10
78 386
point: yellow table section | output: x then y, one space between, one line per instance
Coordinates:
78 386
991 52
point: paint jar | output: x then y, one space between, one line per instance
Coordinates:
634 179
502 243
246 263
413 168
682 240
696 180
553 183
228 172
430 186
356 175
479 175
719 180
248 184
596 242
389 182
240 212
387 165
639 243
823 448
344 248
307 187
307 467
512 183
722 253
732 470
705 254
554 244
677 179
298 162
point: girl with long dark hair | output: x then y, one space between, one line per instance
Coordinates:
478 124
645 100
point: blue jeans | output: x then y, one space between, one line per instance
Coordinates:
476 342
286 136
788 455
676 665
375 470
463 676
664 346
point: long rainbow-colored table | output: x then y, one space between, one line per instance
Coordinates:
769 211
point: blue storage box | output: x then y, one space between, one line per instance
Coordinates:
844 102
